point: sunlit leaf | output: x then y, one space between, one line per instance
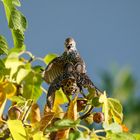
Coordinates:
60 98
105 108
49 57
9 89
16 3
17 99
116 110
3 70
12 62
39 136
3 45
72 113
18 38
114 127
17 130
32 86
2 104
112 109
2 96
22 73
16 21
120 136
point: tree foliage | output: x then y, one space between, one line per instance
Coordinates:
21 83
123 86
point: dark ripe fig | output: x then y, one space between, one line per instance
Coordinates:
98 117
14 112
81 104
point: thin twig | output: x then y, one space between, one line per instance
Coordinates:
27 111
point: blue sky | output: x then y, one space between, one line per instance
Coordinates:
106 31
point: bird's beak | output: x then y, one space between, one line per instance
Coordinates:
68 47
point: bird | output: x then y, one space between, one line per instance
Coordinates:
66 62
67 71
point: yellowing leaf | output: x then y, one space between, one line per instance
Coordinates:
103 99
62 134
2 106
46 119
60 98
72 110
39 136
9 89
17 130
2 95
35 115
49 57
116 110
112 109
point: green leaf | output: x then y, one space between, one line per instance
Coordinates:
95 102
18 38
12 62
115 110
112 109
16 21
17 99
113 127
49 57
65 123
16 3
3 70
137 136
22 73
60 98
17 130
76 135
120 136
18 50
32 85
92 93
3 45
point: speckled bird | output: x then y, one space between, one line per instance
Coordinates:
68 72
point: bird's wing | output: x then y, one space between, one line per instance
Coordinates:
54 69
85 82
80 66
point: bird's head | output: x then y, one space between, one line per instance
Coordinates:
70 45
